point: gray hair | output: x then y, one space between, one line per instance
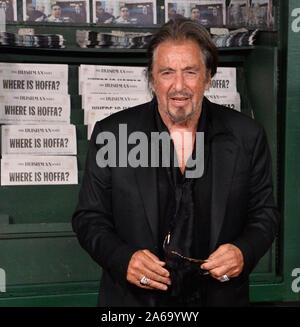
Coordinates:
184 29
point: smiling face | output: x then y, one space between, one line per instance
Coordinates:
179 79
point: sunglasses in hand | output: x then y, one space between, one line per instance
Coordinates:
200 261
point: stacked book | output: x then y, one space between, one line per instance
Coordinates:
108 89
38 143
223 88
54 41
237 38
115 39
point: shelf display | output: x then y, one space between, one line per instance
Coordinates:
140 12
261 14
207 13
237 13
135 27
52 11
144 13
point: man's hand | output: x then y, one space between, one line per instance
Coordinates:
227 259
145 263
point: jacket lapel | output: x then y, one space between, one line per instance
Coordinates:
147 185
146 177
224 154
224 151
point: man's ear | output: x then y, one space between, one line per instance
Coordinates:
152 83
207 81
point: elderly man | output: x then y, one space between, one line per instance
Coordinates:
165 234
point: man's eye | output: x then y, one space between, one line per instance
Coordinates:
166 74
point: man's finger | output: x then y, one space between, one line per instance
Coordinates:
153 257
226 254
157 269
155 265
219 252
154 285
156 277
218 262
217 273
144 263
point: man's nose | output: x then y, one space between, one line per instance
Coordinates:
179 82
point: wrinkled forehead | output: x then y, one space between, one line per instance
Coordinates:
168 48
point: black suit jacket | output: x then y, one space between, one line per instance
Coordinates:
117 212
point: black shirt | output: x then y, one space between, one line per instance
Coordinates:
201 193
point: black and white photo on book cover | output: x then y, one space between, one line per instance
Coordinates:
140 12
237 13
261 14
206 12
53 11
10 9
